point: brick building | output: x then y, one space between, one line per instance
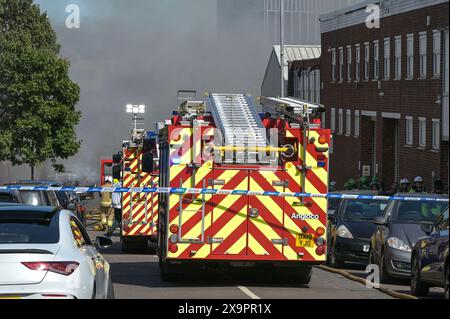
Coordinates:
386 90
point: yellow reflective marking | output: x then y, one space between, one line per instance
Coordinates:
255 246
238 245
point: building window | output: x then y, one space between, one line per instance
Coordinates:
410 57
341 64
357 62
398 58
387 58
333 119
349 63
409 130
341 121
333 65
423 54
348 122
357 123
422 132
436 133
366 61
376 59
436 53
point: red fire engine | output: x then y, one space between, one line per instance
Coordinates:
222 143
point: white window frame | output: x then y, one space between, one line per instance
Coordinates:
357 123
410 56
387 58
366 61
436 137
333 119
376 59
422 132
349 63
436 53
333 65
423 54
341 64
357 62
398 57
341 121
348 122
409 128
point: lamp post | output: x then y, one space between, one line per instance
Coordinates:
282 46
135 109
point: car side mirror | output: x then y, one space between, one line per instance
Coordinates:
147 163
427 229
104 242
380 221
331 217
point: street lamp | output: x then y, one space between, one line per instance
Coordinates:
136 109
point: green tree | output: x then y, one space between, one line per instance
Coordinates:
37 97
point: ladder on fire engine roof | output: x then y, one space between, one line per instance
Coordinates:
291 107
236 116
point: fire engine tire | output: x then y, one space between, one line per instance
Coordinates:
297 275
167 273
133 245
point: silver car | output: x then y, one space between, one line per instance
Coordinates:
47 253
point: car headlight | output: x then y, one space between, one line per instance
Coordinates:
399 244
343 232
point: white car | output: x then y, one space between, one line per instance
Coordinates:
47 253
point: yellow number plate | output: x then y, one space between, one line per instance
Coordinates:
304 240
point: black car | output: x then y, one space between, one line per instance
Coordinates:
398 231
8 196
350 229
430 259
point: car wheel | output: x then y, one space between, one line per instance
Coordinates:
446 282
335 262
418 288
384 276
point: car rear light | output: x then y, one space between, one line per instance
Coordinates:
65 268
320 250
173 248
173 228
322 139
320 231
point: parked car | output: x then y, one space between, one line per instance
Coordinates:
398 231
430 260
47 253
8 196
350 229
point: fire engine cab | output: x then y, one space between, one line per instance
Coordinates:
221 145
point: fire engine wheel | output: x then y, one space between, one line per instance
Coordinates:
167 274
298 275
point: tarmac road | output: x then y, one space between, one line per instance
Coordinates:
136 276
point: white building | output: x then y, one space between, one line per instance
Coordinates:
271 85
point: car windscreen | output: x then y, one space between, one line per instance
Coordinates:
32 198
414 211
363 209
332 202
28 230
6 198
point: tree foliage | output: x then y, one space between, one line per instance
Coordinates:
37 97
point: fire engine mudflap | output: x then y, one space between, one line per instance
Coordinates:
211 147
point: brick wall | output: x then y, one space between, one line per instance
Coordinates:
415 98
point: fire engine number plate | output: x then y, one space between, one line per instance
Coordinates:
304 240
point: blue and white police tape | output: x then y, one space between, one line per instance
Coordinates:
173 190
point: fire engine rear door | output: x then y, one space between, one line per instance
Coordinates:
229 217
265 218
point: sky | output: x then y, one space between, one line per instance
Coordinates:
142 52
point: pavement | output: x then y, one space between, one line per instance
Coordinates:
137 276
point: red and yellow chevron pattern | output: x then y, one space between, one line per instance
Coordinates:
139 210
237 227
